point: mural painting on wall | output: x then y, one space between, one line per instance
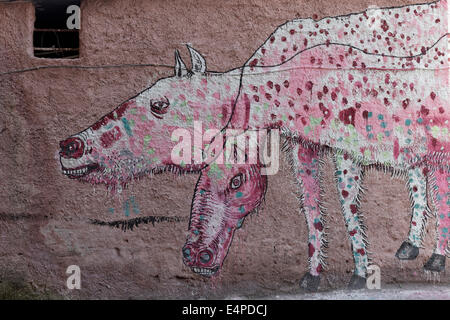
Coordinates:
369 88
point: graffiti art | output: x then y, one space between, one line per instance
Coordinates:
369 88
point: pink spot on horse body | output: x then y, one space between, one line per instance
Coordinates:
396 149
200 94
318 226
216 95
325 111
405 103
347 116
311 250
424 110
433 95
253 63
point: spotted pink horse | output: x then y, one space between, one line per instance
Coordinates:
319 116
318 81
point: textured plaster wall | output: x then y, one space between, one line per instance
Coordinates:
44 215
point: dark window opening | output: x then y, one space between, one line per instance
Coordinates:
51 37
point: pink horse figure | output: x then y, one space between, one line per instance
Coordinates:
136 140
353 152
376 114
224 195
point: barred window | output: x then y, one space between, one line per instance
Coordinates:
52 37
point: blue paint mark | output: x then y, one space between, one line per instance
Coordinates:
126 208
135 207
127 127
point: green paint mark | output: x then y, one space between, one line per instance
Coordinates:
215 172
314 121
239 194
307 130
380 137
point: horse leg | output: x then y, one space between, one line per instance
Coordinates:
349 178
306 165
417 186
440 186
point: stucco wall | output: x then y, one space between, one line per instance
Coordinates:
44 215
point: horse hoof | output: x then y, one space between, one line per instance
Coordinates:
436 263
309 282
407 251
356 283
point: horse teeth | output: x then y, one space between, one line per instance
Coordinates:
76 171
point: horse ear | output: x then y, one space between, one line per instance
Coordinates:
197 60
180 67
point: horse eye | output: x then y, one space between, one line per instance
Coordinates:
159 106
236 182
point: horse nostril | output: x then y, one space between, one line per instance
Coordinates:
72 147
205 256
